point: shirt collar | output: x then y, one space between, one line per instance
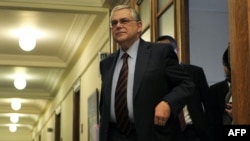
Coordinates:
132 51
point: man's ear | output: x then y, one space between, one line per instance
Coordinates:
177 50
139 24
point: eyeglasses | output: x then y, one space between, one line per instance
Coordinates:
121 21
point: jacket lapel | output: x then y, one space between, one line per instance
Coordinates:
141 64
110 75
143 56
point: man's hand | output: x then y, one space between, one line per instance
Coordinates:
229 109
162 113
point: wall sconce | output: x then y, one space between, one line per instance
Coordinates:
12 128
16 105
27 42
20 83
14 118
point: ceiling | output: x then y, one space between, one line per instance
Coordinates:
60 26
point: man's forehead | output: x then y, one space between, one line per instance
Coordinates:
123 13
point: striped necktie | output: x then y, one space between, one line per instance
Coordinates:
121 108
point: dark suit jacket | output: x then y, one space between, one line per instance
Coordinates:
158 76
198 100
218 93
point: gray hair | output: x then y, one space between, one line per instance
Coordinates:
134 13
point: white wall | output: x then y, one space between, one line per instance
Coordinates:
209 36
21 135
85 69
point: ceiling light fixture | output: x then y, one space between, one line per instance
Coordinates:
20 83
16 105
14 118
27 42
12 128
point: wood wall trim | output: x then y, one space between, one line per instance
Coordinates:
182 29
239 56
153 21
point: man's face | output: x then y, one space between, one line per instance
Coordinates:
227 73
124 28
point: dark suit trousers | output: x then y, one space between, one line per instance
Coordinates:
116 135
190 134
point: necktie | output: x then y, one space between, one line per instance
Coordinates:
121 109
182 120
228 96
227 120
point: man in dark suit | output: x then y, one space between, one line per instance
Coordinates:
157 86
197 128
221 113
